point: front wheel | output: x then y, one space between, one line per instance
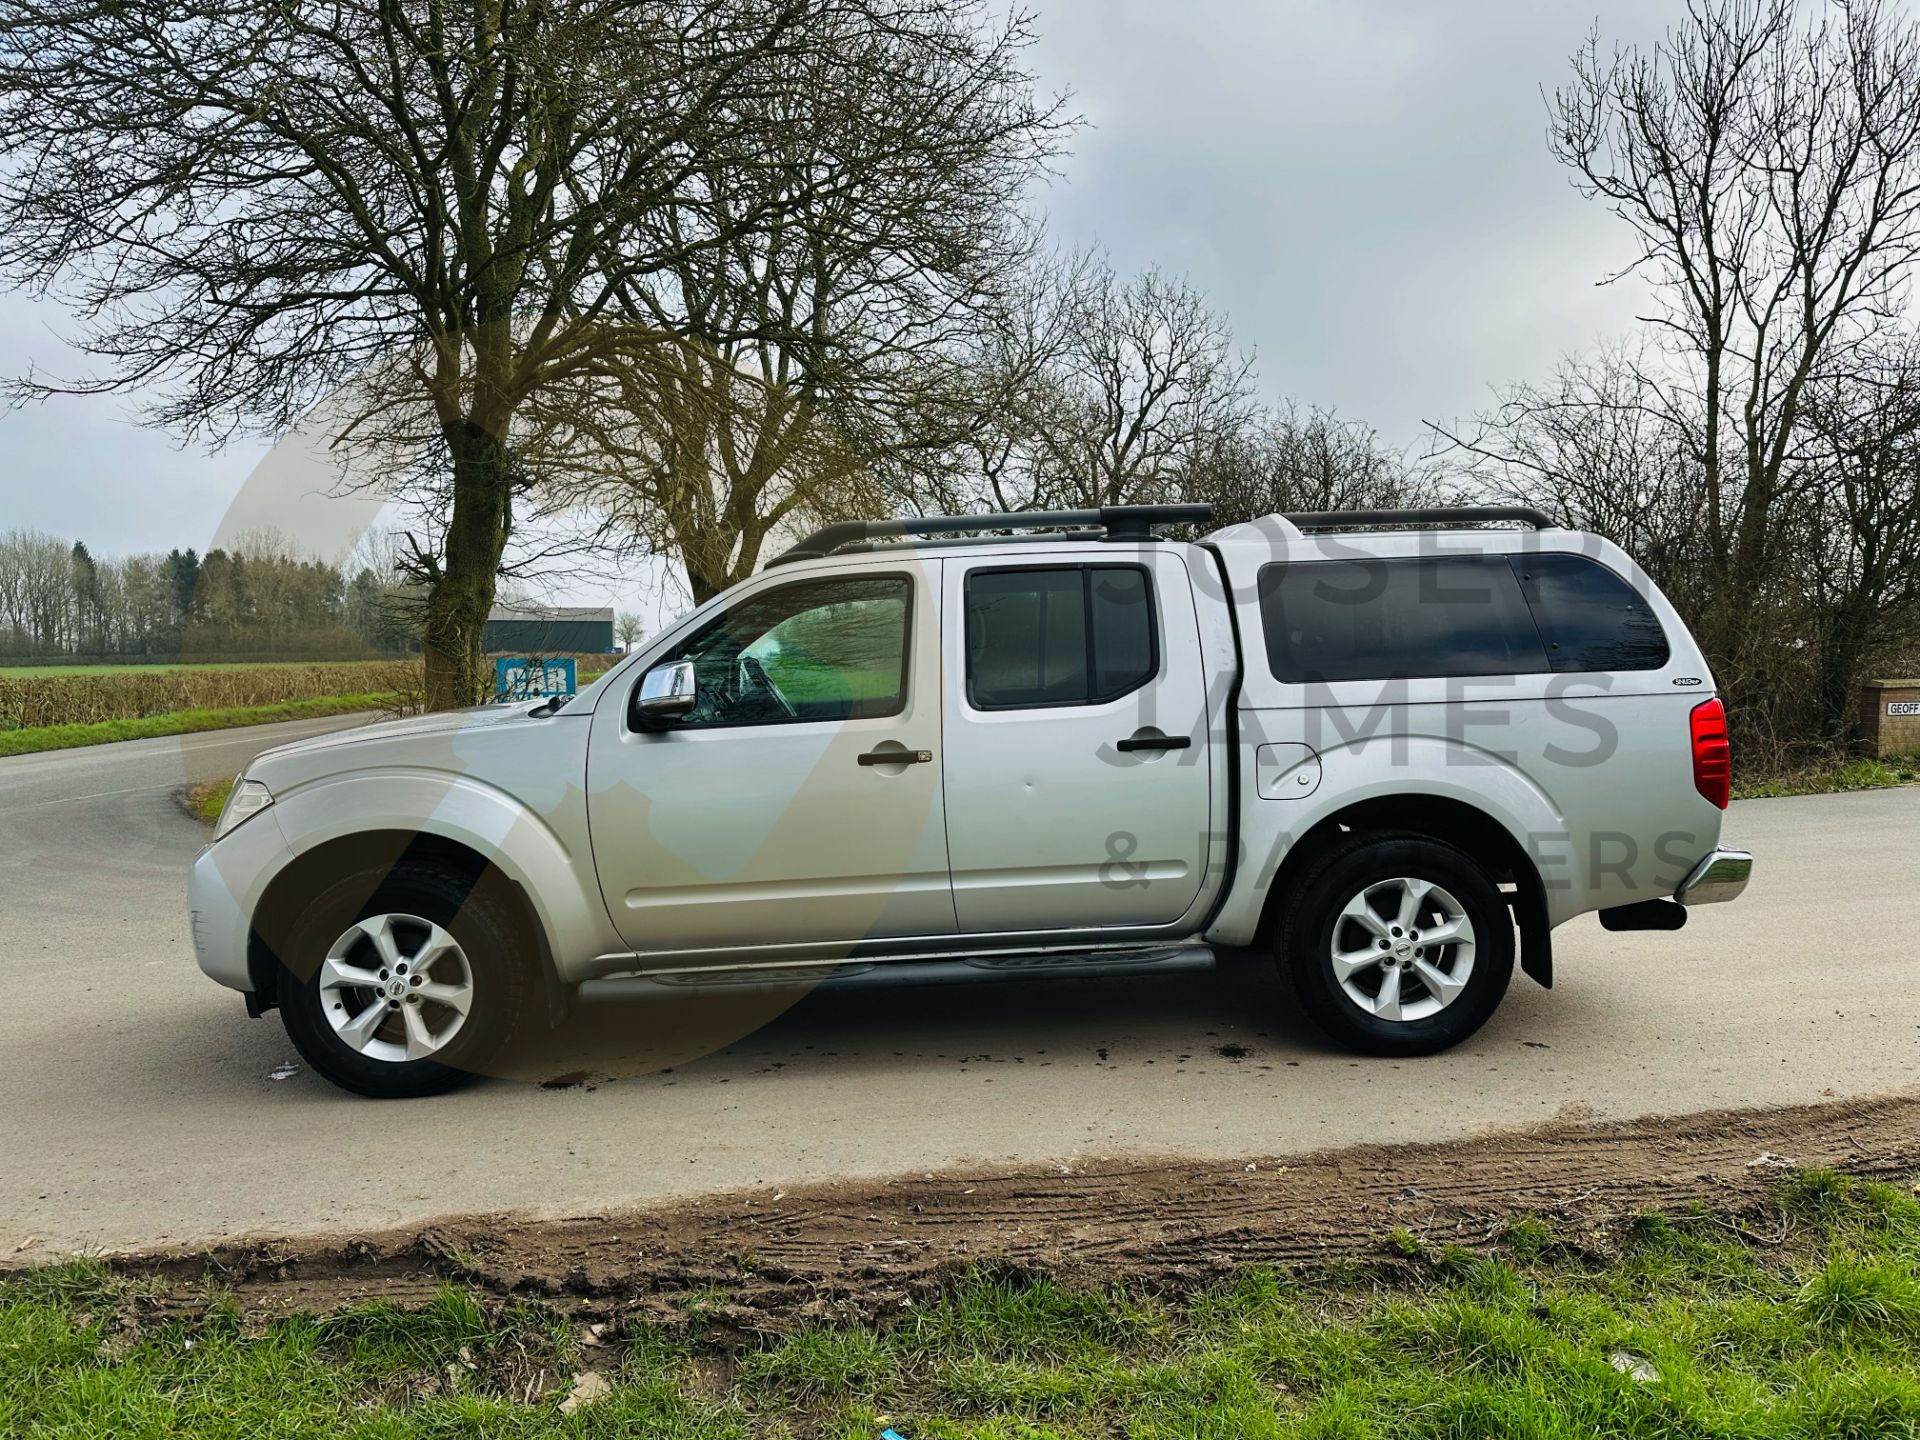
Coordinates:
404 983
1397 944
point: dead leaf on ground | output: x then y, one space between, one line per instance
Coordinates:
586 1389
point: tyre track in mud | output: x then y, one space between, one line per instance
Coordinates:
871 1251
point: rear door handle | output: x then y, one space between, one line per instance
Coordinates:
1155 742
897 757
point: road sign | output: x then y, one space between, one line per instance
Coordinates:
518 677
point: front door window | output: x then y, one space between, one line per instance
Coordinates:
831 649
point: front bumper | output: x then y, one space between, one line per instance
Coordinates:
1721 876
226 882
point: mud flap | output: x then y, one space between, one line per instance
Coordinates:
1536 935
560 997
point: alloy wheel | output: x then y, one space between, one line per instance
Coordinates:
1403 949
396 987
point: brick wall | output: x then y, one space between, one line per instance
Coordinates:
1891 734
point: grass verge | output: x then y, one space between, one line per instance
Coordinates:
206 800
1799 1321
1834 777
181 722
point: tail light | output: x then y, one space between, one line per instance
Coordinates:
1712 755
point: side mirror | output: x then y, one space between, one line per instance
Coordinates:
666 693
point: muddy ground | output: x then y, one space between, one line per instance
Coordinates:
761 1261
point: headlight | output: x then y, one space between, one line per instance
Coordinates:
248 799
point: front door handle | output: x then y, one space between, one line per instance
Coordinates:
1155 742
897 757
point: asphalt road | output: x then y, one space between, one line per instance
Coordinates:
138 1104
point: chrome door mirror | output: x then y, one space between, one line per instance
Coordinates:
666 693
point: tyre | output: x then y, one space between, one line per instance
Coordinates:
1397 944
405 982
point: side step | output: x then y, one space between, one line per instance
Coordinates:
873 974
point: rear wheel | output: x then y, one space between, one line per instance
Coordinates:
404 983
1397 944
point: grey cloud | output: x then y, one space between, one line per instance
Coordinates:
1362 187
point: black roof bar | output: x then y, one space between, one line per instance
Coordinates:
1431 515
1109 522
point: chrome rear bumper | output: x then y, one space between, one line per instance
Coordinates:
1721 876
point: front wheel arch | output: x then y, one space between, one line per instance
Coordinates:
312 871
421 925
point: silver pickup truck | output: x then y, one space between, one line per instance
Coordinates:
1391 749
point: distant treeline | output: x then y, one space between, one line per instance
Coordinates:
257 600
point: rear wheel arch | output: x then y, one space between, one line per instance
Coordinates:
287 895
1467 828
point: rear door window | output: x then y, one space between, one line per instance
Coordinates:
1058 635
1367 619
1589 618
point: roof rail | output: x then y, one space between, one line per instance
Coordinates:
1109 522
1429 515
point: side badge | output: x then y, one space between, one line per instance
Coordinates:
1688 680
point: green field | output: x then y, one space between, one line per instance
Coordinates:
1800 1320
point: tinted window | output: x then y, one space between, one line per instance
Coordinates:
816 650
1329 620
1062 635
1588 616
1121 614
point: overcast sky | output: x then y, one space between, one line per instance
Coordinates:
1361 186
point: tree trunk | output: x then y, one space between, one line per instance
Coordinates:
703 585
459 600
1843 648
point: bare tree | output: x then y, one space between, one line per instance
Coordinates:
997 398
1599 449
814 344
1769 167
455 211
36 592
1093 390
1860 534
1151 380
1294 458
